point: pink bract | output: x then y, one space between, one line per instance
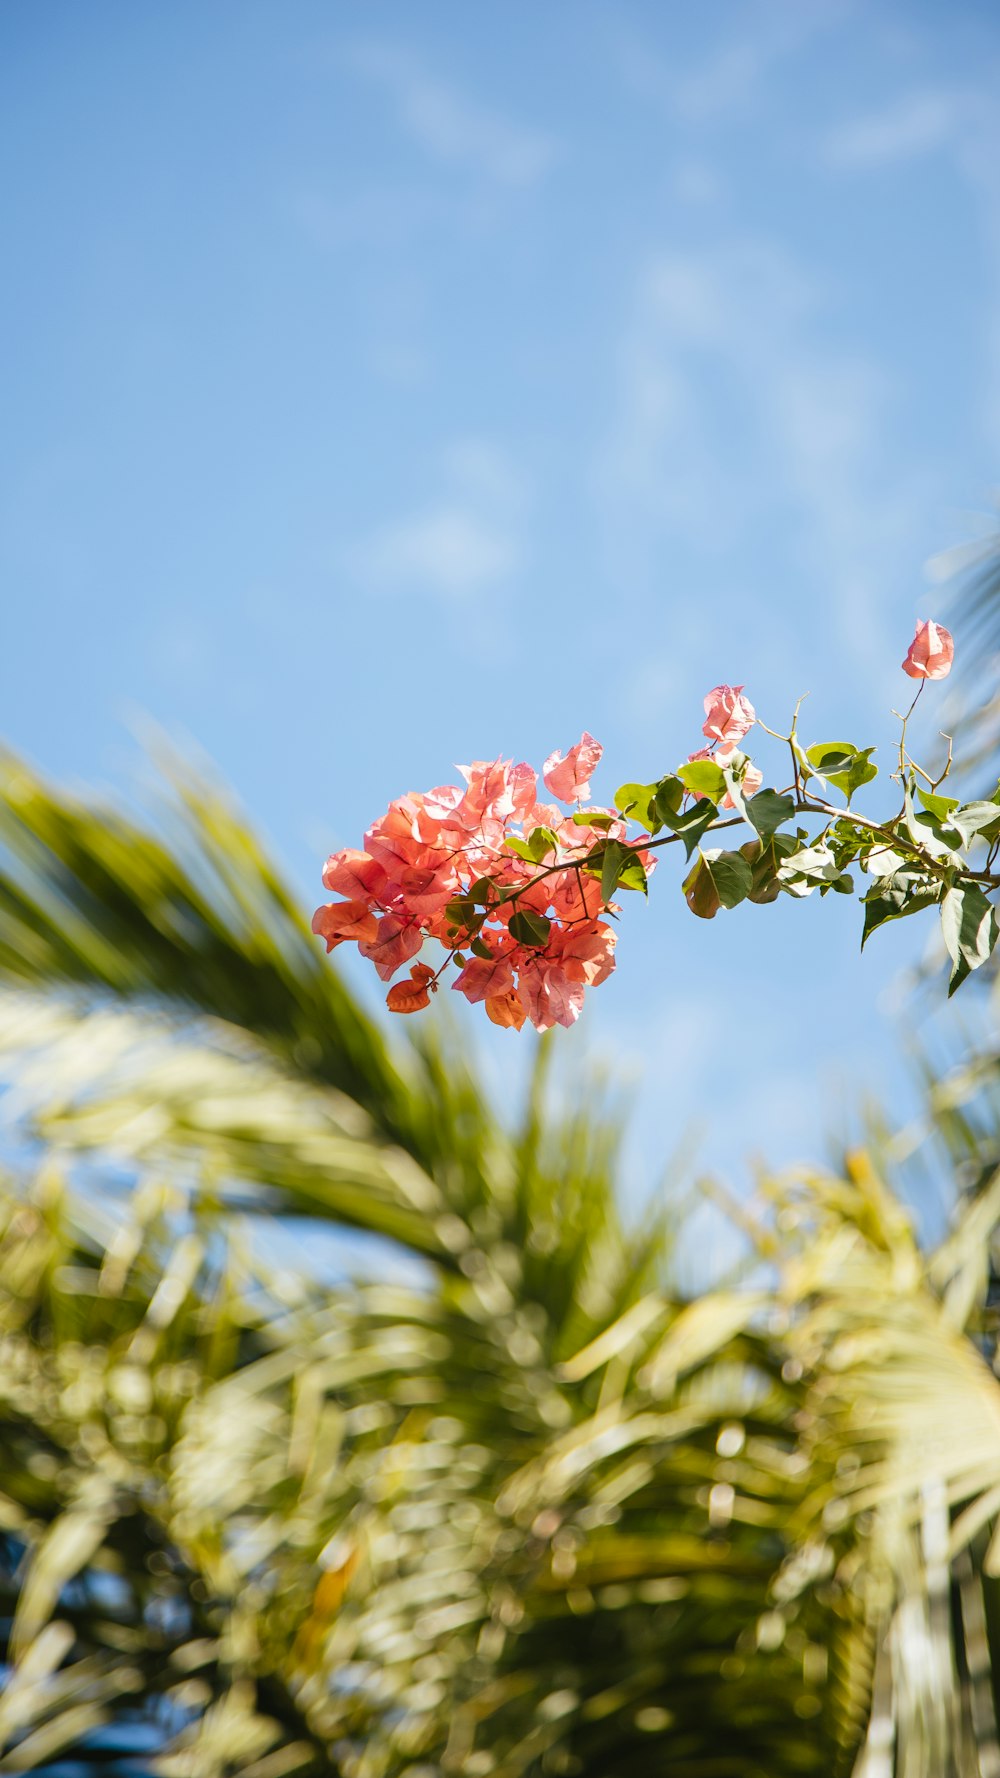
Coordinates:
548 994
337 921
728 715
931 652
481 980
569 778
395 942
353 874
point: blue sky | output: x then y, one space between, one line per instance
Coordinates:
390 386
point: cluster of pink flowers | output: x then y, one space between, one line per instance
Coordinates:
729 717
439 865
512 887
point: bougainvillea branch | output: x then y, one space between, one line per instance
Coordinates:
519 894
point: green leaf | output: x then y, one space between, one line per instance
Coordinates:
976 819
847 842
611 867
541 841
927 833
721 879
861 771
764 858
845 766
521 847
620 864
481 891
530 928
668 799
939 806
969 928
805 768
690 824
633 874
767 811
734 773
809 867
893 898
700 892
581 818
732 877
480 948
460 913
704 776
636 801
830 756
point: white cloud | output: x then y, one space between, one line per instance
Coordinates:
460 544
963 123
694 182
730 409
914 125
485 473
730 78
446 549
449 125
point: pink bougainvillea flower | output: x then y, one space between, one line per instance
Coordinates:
353 874
498 789
439 818
441 803
542 815
548 995
522 789
395 941
576 834
480 980
576 896
393 839
569 778
337 921
587 953
931 652
422 891
728 715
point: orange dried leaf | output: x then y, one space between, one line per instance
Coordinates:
408 996
506 1009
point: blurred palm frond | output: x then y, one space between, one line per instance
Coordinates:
528 1514
972 576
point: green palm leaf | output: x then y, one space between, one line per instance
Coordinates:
531 1516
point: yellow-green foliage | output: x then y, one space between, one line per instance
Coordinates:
526 1514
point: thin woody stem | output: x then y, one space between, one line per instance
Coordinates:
947 763
804 805
902 737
